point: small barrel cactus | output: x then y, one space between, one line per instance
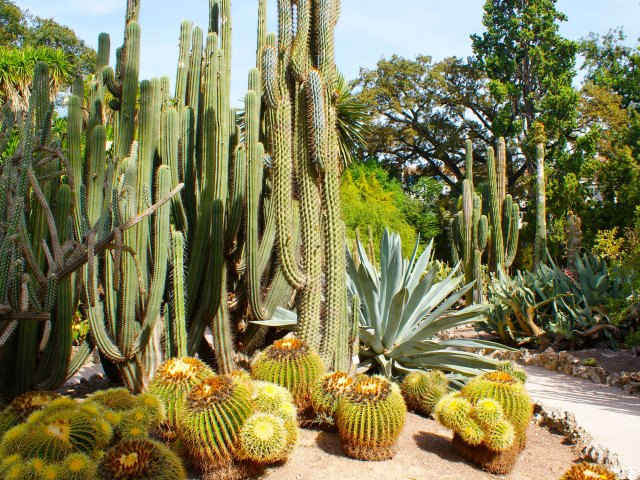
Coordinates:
52 435
212 417
142 460
264 439
588 471
370 417
172 383
290 363
37 469
515 372
326 393
423 390
269 397
21 407
78 466
11 467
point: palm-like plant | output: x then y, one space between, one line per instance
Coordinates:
353 121
404 308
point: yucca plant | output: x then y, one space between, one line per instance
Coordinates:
404 308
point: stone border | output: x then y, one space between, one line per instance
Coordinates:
566 363
564 423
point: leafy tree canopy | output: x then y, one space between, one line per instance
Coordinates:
531 68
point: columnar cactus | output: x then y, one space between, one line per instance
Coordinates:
573 232
540 252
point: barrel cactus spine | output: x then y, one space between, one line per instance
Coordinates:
213 415
290 363
326 394
264 439
370 417
141 459
78 466
423 390
585 471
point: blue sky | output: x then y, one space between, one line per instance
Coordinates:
368 29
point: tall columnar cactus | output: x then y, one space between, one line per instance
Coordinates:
503 212
469 231
540 253
573 232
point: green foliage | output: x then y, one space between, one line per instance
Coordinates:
531 64
292 364
370 198
370 416
589 362
399 327
608 245
633 339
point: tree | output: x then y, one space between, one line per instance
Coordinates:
531 68
424 112
370 198
609 62
13 25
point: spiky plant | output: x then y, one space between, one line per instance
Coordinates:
52 435
264 439
514 371
142 460
11 467
509 393
172 383
290 363
38 469
326 394
78 466
212 417
21 407
588 471
399 325
118 399
269 397
423 390
370 417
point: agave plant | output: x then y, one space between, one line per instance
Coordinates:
554 302
404 308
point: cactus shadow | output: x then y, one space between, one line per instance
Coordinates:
439 445
329 443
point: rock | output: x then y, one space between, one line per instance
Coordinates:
581 372
597 374
631 388
614 380
635 376
96 377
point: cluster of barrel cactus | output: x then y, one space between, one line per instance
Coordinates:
423 390
57 438
225 422
488 221
489 418
587 471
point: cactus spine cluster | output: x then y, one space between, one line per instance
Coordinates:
370 417
142 460
423 390
212 418
292 364
588 471
489 418
172 383
326 394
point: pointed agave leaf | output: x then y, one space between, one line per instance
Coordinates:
420 266
282 318
370 338
394 318
409 267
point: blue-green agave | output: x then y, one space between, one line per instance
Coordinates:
404 308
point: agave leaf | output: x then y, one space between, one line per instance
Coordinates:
420 266
282 318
